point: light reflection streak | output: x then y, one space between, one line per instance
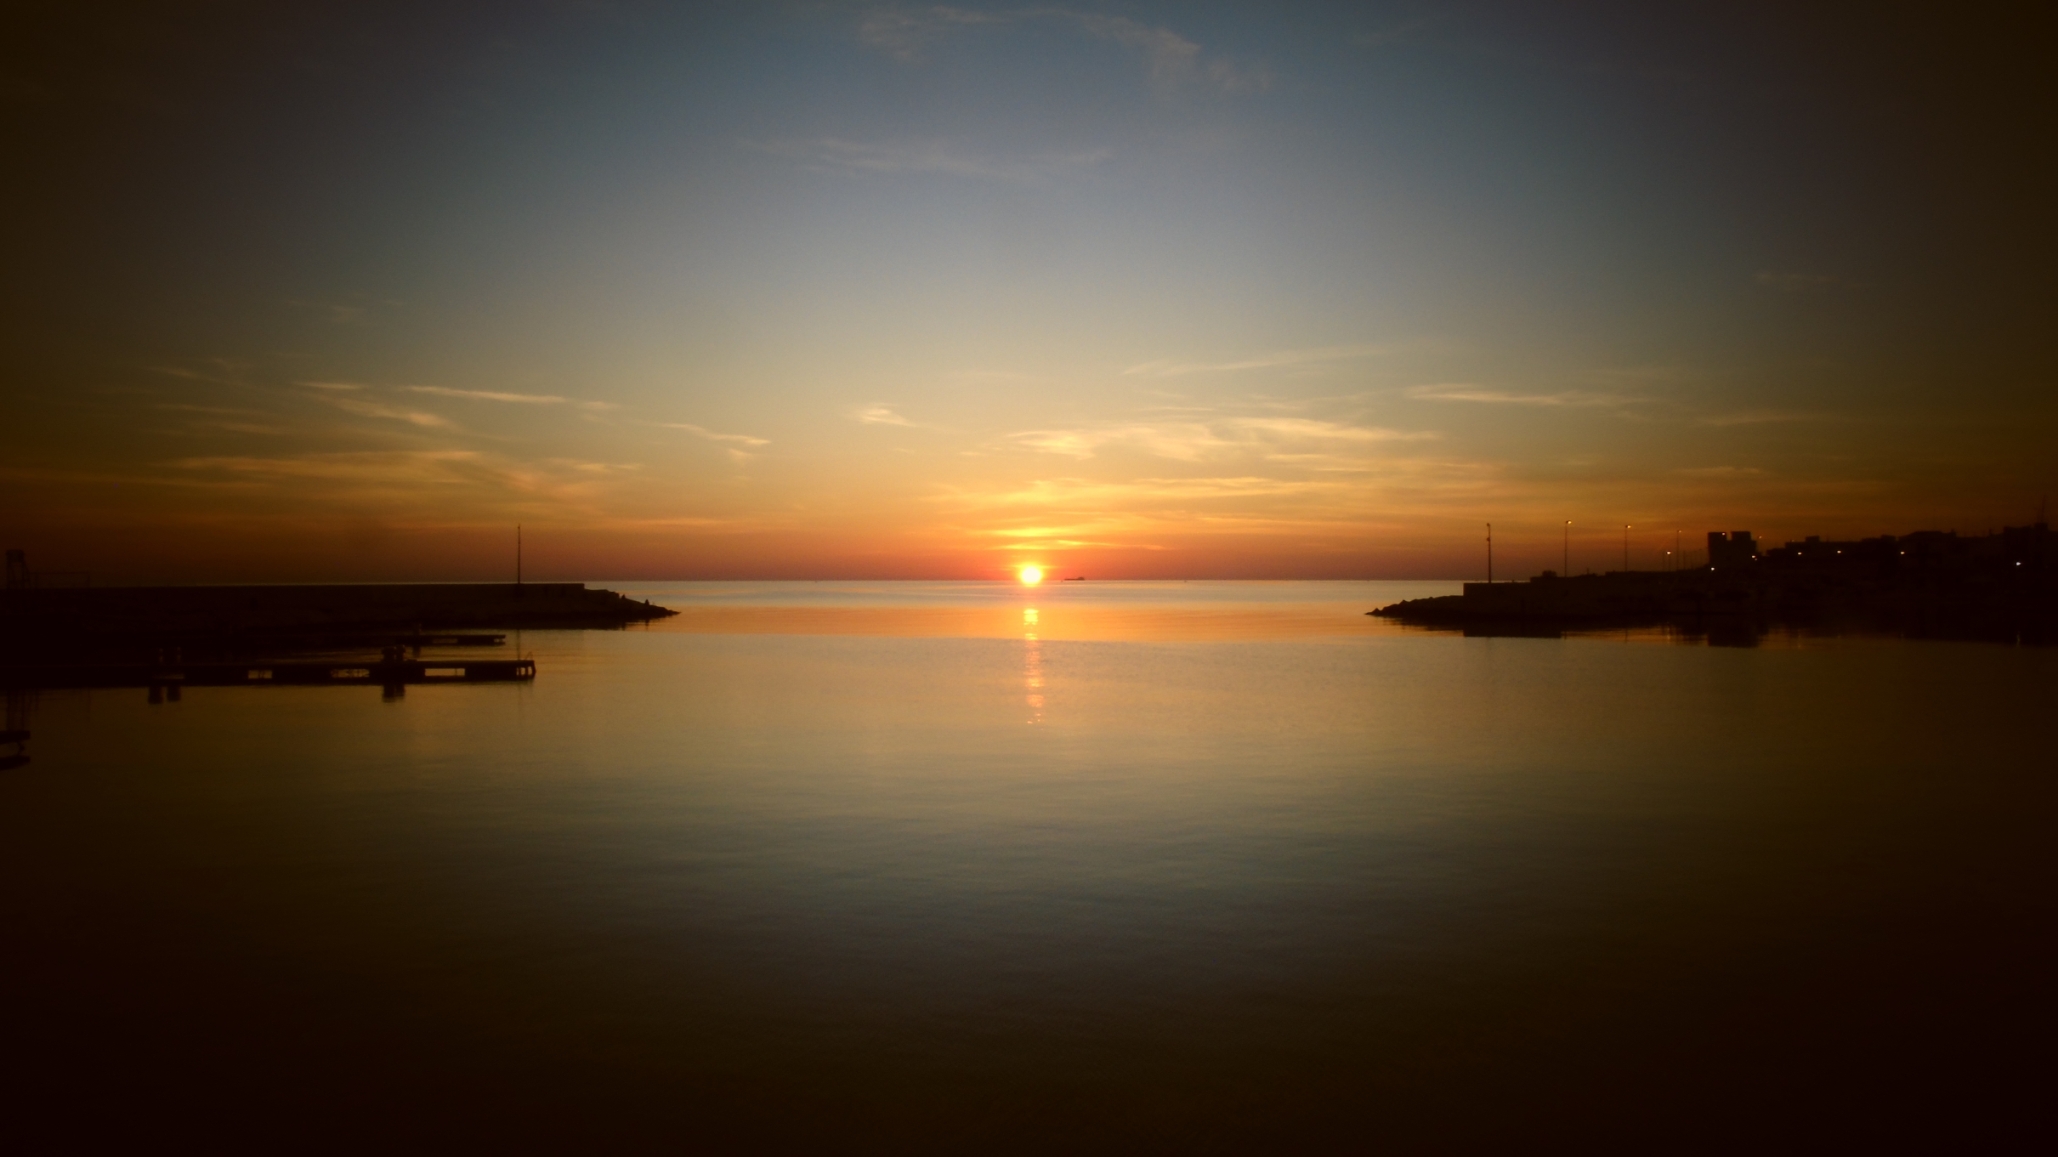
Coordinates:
1032 665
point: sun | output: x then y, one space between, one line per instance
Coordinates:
1031 575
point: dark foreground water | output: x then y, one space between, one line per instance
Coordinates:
1217 867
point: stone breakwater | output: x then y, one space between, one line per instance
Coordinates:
117 614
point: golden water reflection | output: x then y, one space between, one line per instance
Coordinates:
1032 665
1125 624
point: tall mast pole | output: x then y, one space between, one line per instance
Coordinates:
1625 548
1567 572
1489 552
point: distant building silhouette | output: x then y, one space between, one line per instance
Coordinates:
21 578
1736 548
2001 585
2017 553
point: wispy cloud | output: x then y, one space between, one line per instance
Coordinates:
1171 60
366 408
1281 359
391 467
1087 493
1137 511
488 395
929 157
739 446
1484 395
903 33
593 467
739 439
878 415
423 486
1317 430
1194 441
1185 442
511 398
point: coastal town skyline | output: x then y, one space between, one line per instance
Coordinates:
904 291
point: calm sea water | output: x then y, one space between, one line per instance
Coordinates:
963 867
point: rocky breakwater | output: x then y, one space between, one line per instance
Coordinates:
159 615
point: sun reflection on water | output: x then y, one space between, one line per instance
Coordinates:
1032 665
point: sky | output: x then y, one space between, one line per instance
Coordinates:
821 290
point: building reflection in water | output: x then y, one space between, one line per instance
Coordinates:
1032 665
14 731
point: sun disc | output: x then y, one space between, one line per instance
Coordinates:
1031 575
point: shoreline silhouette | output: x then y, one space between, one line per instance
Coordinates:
1935 584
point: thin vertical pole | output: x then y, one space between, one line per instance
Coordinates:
1489 552
1567 572
1625 548
518 554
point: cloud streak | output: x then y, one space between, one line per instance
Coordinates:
935 156
1483 395
741 447
511 398
488 395
386 467
879 415
365 408
1282 359
1221 437
1170 60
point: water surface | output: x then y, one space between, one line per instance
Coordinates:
1185 867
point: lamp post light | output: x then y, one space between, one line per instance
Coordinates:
1625 548
1567 572
1489 552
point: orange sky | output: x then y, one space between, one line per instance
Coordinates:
871 291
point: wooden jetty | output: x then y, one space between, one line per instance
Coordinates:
384 672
